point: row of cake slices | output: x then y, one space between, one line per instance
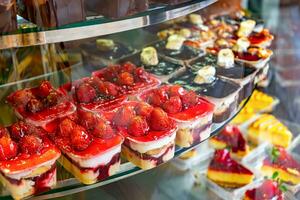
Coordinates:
90 121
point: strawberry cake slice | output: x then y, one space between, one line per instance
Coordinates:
232 138
27 160
192 113
226 172
90 146
149 133
40 105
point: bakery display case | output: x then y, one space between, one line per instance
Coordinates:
101 95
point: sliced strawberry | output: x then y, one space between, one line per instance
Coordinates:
124 115
66 127
173 105
80 139
190 99
143 109
31 144
103 130
44 89
159 120
34 105
138 126
176 90
8 148
85 93
18 130
125 78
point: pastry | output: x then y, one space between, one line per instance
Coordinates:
232 138
27 160
90 146
268 128
192 113
149 133
40 105
226 172
280 161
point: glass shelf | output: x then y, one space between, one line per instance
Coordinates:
67 184
29 35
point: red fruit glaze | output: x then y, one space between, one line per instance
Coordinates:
85 93
190 99
247 56
30 143
258 38
18 130
125 78
267 191
103 130
173 105
80 139
8 148
159 120
222 161
138 126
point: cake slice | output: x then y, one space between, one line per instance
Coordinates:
282 162
226 172
232 138
268 190
268 128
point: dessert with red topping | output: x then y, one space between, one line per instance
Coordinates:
128 77
27 160
40 105
149 133
90 146
279 160
192 113
226 172
268 190
261 39
232 138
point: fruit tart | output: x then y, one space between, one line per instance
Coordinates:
268 190
232 138
40 105
90 146
280 161
103 52
226 172
154 63
222 92
192 113
128 77
268 128
27 160
149 133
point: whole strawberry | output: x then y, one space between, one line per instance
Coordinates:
138 126
159 120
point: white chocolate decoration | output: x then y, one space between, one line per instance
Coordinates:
241 45
184 32
226 58
149 56
175 42
246 28
195 19
205 75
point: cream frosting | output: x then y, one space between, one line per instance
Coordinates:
226 58
205 75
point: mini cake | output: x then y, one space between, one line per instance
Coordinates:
154 64
27 160
149 133
8 15
90 146
52 13
40 105
103 52
130 78
268 190
261 39
192 113
226 172
268 128
232 138
282 162
222 92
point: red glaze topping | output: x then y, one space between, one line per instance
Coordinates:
267 191
23 146
128 77
179 103
233 138
258 38
282 160
247 56
41 104
222 161
141 122
85 134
